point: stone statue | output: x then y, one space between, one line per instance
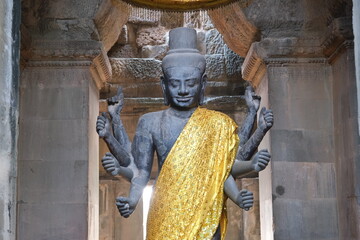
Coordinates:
199 152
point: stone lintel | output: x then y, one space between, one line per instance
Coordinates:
65 49
71 53
285 51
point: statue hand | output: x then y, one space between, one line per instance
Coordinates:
103 126
266 119
110 164
252 100
115 103
126 206
261 160
245 199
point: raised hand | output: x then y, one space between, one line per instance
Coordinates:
261 160
125 206
110 164
266 119
252 100
245 199
103 126
115 103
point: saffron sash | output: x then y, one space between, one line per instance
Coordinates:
188 200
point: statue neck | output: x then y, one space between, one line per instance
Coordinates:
183 113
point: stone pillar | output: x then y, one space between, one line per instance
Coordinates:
58 183
65 65
304 193
356 29
356 23
346 142
9 57
58 151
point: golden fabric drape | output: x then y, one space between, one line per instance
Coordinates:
188 201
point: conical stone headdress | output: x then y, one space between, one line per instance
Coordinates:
183 51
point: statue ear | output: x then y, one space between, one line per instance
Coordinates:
202 91
162 83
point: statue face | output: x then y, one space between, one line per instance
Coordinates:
183 86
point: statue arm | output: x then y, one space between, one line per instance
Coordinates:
115 105
266 120
253 103
244 132
258 163
244 199
120 153
143 151
112 166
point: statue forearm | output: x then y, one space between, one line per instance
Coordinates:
120 132
230 188
244 132
242 168
138 184
124 157
251 145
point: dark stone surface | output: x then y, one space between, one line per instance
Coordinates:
296 219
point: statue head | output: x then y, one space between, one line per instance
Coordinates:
184 79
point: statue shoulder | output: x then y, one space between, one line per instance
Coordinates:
149 119
219 116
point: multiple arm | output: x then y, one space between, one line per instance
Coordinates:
134 164
242 167
143 151
120 161
253 103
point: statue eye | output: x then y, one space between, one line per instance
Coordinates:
191 82
174 83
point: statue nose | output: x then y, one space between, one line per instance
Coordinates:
183 90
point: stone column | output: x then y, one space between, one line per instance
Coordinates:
9 57
356 29
304 193
65 65
58 145
356 22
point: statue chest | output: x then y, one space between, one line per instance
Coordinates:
169 129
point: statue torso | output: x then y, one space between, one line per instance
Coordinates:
165 128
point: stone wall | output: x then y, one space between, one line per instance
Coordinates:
9 15
143 42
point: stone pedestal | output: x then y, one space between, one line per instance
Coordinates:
58 152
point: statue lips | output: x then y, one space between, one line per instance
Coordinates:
184 99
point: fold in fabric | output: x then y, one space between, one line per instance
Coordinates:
188 200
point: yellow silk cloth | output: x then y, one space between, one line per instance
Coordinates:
184 5
189 201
